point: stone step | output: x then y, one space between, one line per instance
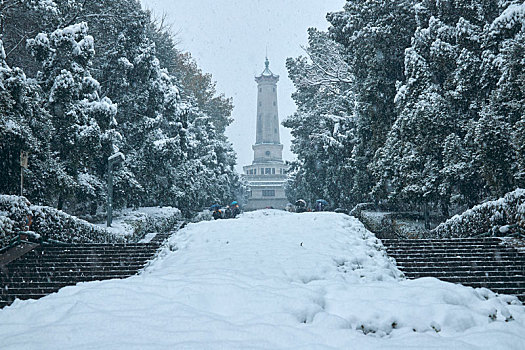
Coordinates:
430 257
473 281
446 245
80 259
473 262
454 251
98 245
460 266
517 286
66 269
7 300
459 278
50 257
81 251
74 265
23 280
42 270
455 258
73 276
464 270
482 240
37 254
449 250
101 252
70 271
87 261
36 284
30 290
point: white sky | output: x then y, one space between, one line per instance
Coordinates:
228 38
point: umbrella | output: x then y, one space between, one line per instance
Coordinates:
214 207
322 201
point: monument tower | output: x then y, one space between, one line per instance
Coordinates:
266 175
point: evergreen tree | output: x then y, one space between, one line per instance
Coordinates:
80 118
445 57
374 35
322 127
24 127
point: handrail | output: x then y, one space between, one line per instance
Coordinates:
483 234
27 237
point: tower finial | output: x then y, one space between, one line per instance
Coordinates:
266 63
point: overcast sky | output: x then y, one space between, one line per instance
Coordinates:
228 38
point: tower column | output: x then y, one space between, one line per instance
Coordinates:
266 175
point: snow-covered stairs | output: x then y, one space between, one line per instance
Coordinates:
46 269
488 262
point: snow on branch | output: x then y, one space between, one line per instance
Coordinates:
119 156
327 67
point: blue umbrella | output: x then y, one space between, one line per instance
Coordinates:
322 201
215 206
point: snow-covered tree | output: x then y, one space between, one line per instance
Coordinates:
24 127
374 35
449 56
322 126
81 119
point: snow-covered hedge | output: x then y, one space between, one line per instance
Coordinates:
393 224
13 213
134 225
500 217
54 224
48 222
154 219
7 230
356 211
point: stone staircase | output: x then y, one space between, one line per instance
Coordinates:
32 271
475 262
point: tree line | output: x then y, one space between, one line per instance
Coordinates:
83 80
413 105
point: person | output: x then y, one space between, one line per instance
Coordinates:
300 206
234 209
321 205
216 211
227 212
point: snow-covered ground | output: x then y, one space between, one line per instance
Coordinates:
268 280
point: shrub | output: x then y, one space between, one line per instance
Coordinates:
49 223
504 216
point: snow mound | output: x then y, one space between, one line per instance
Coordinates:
268 280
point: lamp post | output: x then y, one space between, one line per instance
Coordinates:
23 165
114 159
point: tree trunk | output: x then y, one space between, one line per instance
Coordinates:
60 204
427 216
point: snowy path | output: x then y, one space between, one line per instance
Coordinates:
268 280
